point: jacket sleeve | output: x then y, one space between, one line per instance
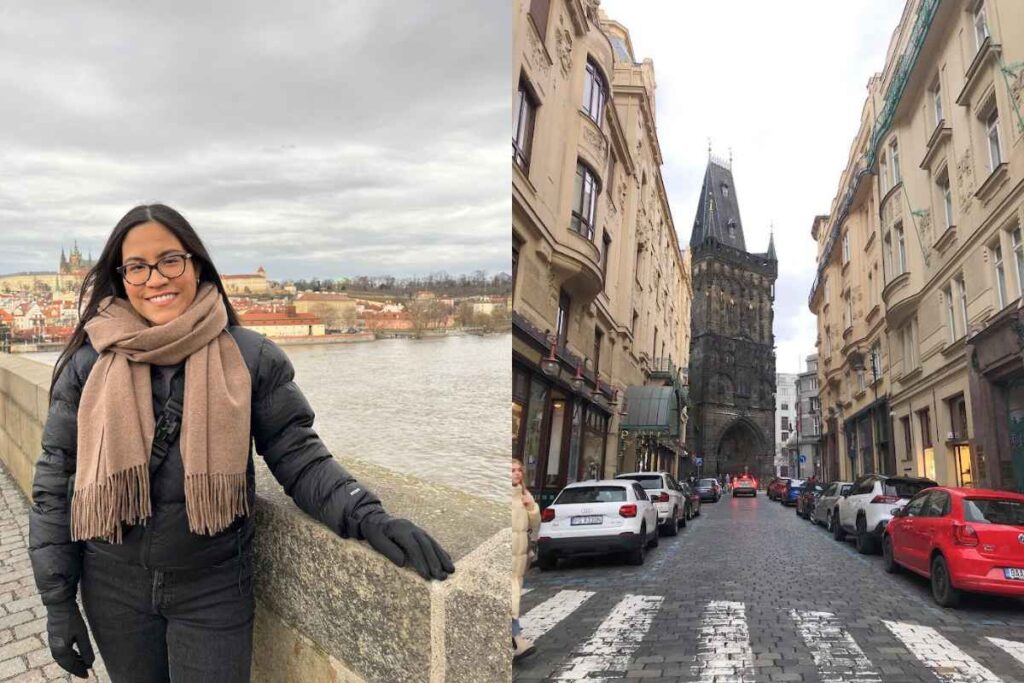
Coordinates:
282 427
56 559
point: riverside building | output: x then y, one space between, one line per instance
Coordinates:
601 287
921 262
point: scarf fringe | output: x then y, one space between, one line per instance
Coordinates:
213 501
98 510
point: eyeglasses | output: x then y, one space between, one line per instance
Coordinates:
138 273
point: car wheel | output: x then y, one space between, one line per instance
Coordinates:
865 545
836 527
685 517
888 559
672 525
655 540
636 556
547 561
942 587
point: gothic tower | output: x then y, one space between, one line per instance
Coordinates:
732 357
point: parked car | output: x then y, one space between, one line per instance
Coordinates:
961 539
792 491
777 487
744 484
807 499
709 489
693 510
663 490
867 508
597 518
828 501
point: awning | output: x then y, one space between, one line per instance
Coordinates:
652 409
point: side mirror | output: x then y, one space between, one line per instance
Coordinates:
846 494
896 512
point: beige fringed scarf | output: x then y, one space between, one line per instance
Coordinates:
116 423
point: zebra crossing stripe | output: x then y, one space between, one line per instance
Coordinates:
610 649
1010 647
544 616
946 660
723 647
838 657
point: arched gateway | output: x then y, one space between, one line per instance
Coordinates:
743 447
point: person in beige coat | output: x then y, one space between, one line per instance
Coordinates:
525 517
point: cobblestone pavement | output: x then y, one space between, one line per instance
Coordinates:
24 655
751 592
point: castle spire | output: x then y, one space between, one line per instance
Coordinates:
718 211
771 244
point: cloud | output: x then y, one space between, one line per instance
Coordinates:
783 86
329 139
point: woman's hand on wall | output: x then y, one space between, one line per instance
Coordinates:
403 543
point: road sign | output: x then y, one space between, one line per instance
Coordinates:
803 459
699 461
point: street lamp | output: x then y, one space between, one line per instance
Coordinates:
577 381
549 365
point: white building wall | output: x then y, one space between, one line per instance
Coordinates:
785 415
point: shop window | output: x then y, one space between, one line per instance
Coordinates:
964 474
958 418
908 444
533 431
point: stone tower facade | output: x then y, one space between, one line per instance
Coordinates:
732 358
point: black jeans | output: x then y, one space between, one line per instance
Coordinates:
183 626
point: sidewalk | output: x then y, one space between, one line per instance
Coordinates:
24 655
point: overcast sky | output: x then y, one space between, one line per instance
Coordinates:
317 139
782 84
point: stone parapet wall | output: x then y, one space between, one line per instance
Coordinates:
331 609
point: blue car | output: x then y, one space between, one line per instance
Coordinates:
793 487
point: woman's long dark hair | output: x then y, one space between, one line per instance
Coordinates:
103 280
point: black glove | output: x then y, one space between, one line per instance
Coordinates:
66 628
403 542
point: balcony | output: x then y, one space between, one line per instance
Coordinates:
901 297
988 53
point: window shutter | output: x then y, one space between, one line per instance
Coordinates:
539 12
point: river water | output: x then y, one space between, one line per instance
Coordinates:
435 408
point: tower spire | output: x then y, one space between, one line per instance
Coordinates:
771 242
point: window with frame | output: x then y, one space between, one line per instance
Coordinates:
876 359
958 416
961 290
595 93
562 322
995 156
947 294
924 421
908 444
846 248
1000 273
598 339
1018 258
848 313
981 31
584 212
522 125
883 173
539 12
937 101
894 156
946 194
901 247
887 254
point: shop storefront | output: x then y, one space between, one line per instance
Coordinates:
560 415
867 440
651 430
996 374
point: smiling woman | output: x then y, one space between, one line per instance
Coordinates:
144 491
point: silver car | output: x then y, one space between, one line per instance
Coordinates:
825 509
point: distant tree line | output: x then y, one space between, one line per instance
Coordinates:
477 283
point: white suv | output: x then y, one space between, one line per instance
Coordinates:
667 497
867 508
597 518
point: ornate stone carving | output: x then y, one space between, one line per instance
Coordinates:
592 10
965 181
537 55
563 43
596 140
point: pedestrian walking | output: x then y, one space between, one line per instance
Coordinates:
145 488
525 518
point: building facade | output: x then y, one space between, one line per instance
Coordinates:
921 263
71 270
785 419
601 288
807 437
732 357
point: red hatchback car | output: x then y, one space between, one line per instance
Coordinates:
962 539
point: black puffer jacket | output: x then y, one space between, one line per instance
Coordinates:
282 428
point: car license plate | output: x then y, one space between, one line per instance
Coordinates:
589 519
1014 573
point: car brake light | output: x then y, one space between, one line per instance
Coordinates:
663 498
964 534
628 510
885 499
547 515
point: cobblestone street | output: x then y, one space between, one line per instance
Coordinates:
24 655
751 592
